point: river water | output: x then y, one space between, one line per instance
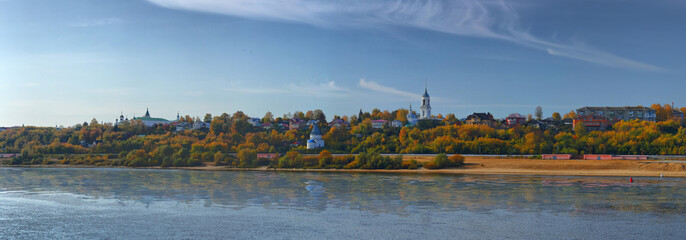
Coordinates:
52 203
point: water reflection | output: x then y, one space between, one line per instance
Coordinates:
376 193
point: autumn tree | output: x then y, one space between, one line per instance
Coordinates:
298 115
268 117
662 112
556 116
450 118
247 158
324 157
570 115
207 118
401 115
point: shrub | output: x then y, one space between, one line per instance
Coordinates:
443 161
456 160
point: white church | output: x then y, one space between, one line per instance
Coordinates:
424 110
316 140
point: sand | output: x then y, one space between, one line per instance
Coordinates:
505 166
500 166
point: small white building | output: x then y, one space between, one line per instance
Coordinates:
396 123
200 125
255 122
411 118
380 123
316 140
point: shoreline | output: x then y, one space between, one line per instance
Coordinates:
479 166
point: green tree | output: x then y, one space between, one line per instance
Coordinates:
580 129
247 158
219 158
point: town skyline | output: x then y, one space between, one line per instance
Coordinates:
65 63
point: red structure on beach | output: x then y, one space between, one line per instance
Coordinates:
556 156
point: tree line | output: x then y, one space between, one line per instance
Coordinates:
232 141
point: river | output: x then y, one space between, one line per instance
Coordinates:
111 203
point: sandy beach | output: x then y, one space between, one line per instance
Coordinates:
503 166
482 165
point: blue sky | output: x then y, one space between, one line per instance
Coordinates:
65 62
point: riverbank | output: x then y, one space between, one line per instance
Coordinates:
503 166
499 166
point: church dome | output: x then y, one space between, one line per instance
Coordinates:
426 94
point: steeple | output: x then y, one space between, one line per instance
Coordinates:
315 130
426 104
147 113
426 93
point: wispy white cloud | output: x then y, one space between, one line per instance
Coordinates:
493 19
327 89
498 58
98 22
384 89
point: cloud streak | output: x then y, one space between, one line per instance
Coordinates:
98 22
384 89
327 89
494 19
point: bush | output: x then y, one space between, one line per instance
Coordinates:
457 160
443 161
292 159
412 164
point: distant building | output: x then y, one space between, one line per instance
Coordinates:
338 123
592 123
311 122
396 123
201 125
380 123
296 123
182 126
678 114
267 126
150 121
481 119
616 114
536 124
515 119
255 122
316 140
411 118
268 155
